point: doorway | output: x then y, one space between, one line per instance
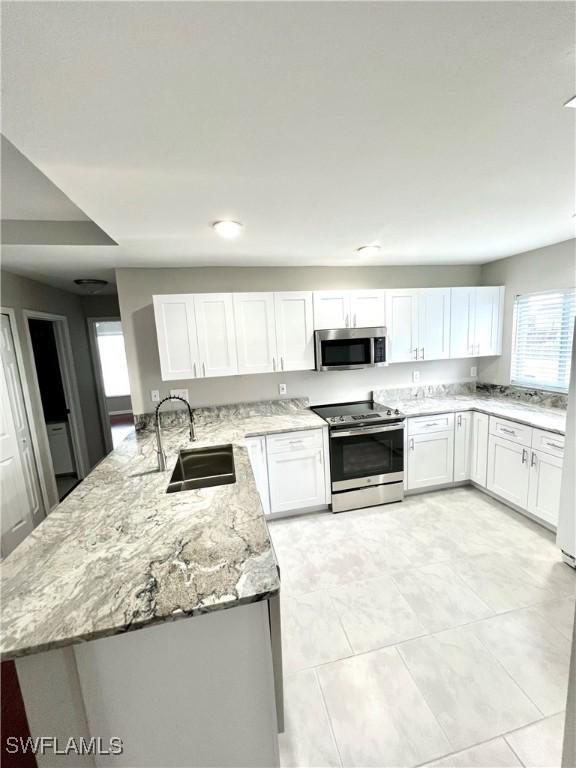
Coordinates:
111 372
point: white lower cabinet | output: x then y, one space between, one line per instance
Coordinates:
462 445
296 472
544 486
430 459
508 471
479 448
257 452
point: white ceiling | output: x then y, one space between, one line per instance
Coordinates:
434 128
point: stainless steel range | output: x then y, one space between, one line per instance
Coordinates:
366 453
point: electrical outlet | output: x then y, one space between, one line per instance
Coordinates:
282 389
155 395
179 393
473 371
415 376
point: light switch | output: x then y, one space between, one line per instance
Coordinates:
183 393
155 395
415 376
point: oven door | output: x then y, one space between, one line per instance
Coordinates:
366 456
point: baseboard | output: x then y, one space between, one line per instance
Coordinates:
119 413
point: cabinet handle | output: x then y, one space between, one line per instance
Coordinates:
282 362
354 319
274 363
415 353
422 353
411 443
204 369
554 445
347 319
533 460
431 424
459 419
508 431
195 375
524 455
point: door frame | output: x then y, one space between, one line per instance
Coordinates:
32 424
69 381
98 378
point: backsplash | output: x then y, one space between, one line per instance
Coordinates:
426 390
524 395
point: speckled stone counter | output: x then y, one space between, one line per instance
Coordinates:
119 553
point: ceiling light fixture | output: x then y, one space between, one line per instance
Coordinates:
91 284
571 102
368 250
228 229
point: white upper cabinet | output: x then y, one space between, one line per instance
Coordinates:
433 323
463 320
331 309
216 334
255 332
367 309
294 330
402 324
177 338
476 321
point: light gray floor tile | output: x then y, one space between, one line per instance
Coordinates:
492 754
440 598
378 715
534 653
556 576
560 614
468 690
307 739
540 745
311 632
374 614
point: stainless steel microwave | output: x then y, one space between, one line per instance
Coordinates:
344 349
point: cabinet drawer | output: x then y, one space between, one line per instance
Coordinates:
549 442
511 430
422 425
294 441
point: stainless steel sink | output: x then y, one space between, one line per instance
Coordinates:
202 468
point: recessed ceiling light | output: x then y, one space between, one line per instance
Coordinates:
571 102
228 229
368 250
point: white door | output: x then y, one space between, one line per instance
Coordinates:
544 486
177 338
16 404
216 334
257 452
367 309
434 323
462 445
488 330
508 470
402 325
462 321
296 479
255 332
479 453
430 459
331 309
294 330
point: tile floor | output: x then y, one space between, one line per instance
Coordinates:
432 632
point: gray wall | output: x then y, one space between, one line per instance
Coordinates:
20 293
137 286
539 270
100 305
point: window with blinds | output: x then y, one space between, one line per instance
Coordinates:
542 343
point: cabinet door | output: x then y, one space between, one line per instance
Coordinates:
296 479
544 486
294 330
430 459
488 321
402 325
216 334
255 332
462 321
508 470
256 447
177 339
479 451
367 309
462 445
434 323
331 309
60 448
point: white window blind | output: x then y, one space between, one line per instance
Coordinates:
542 343
112 358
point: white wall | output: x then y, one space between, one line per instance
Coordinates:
137 286
539 270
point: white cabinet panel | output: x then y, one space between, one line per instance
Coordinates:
402 325
462 321
421 425
294 330
296 475
256 447
216 334
367 309
462 445
549 442
331 309
479 448
511 430
544 486
508 470
434 323
255 332
177 338
60 448
488 322
430 459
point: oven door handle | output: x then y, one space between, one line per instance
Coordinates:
365 430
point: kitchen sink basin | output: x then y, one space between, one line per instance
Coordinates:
203 468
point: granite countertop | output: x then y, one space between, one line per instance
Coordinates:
119 553
551 419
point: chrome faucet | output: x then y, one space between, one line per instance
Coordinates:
159 448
